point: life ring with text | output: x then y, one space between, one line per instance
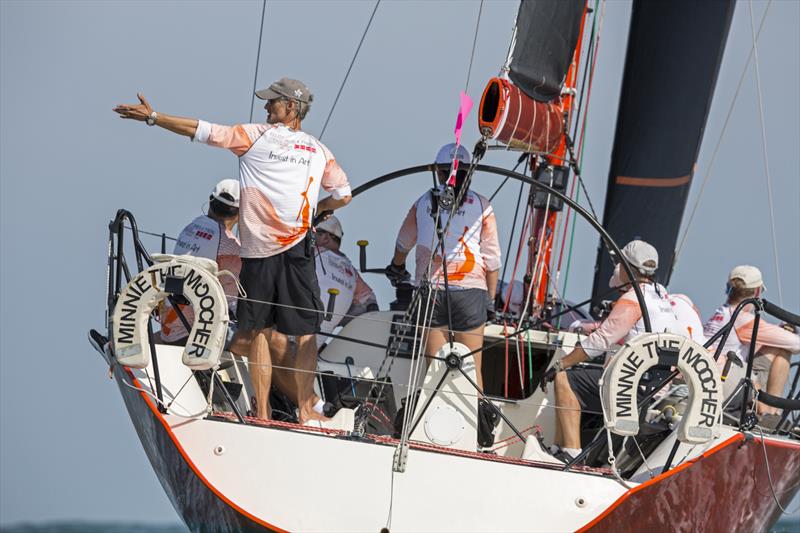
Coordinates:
196 278
620 381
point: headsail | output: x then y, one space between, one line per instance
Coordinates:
662 114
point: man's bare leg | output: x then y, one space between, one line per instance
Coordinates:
283 378
778 376
568 413
473 340
261 371
306 364
240 344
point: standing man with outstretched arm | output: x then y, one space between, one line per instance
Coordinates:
280 171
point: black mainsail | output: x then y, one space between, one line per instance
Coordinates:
674 53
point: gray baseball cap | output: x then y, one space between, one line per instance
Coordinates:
288 88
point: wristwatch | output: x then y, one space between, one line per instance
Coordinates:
558 366
151 119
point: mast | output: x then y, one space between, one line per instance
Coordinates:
529 108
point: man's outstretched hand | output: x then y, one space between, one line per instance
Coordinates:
138 112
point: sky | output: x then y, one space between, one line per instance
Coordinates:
67 163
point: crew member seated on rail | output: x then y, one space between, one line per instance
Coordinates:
774 344
472 257
209 236
577 389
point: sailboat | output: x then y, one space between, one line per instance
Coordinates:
409 448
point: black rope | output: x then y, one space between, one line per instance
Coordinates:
523 157
514 228
347 74
577 170
258 58
159 235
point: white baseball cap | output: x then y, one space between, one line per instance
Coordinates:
230 187
332 226
750 275
448 152
638 253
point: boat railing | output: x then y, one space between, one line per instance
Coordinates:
119 274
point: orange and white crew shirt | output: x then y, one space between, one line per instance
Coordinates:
471 243
204 237
335 271
625 322
739 339
280 173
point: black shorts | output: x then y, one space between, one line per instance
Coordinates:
467 306
287 279
585 383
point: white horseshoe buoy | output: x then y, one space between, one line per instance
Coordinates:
144 292
618 386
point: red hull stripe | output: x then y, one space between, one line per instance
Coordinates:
627 497
189 462
659 478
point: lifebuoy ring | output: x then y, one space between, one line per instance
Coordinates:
145 291
701 420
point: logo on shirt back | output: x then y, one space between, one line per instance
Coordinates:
204 235
305 147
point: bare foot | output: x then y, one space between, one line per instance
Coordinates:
307 412
311 415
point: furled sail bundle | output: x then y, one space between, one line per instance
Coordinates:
524 110
662 114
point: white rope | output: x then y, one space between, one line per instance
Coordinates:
511 45
710 169
766 158
204 412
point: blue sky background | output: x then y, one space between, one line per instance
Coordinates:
67 447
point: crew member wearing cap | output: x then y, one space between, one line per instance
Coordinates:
336 271
472 256
209 236
281 169
774 344
577 389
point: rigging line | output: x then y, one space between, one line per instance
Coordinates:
514 226
422 387
577 170
764 149
581 143
474 42
580 120
159 235
713 159
258 58
769 475
347 74
512 43
587 62
524 157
